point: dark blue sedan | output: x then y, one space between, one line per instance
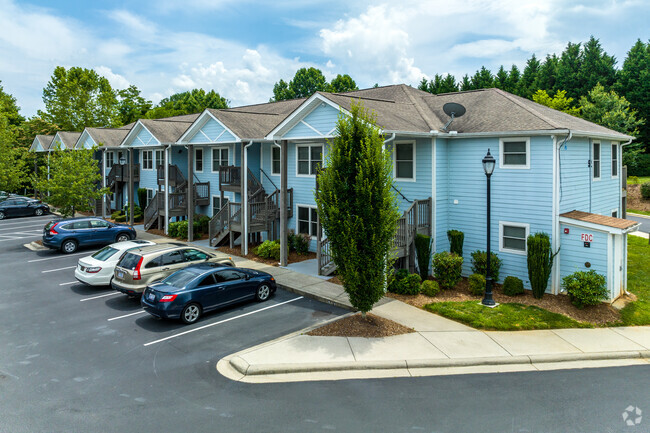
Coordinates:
15 206
69 234
196 289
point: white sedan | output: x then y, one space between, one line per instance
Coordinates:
97 269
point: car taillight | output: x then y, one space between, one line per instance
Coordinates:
168 298
93 270
52 231
136 271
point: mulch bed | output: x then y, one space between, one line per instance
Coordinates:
159 232
292 258
634 199
598 314
357 326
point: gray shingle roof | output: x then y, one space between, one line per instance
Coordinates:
166 130
109 137
45 140
69 139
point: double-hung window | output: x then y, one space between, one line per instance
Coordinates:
160 158
217 205
149 195
309 159
596 160
110 159
512 237
515 153
275 160
147 160
405 160
219 158
614 160
198 159
308 220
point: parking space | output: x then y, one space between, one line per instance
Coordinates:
64 340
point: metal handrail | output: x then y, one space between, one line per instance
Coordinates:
270 180
400 193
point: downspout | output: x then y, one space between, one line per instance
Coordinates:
392 137
104 196
557 196
244 198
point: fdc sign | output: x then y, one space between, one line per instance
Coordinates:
587 237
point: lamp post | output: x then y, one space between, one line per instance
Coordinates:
488 167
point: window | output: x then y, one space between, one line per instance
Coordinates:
192 255
160 158
219 158
307 220
615 213
147 160
309 159
154 263
216 204
614 160
275 160
512 237
515 153
120 157
405 160
207 281
99 224
79 225
110 159
231 275
172 258
198 159
596 160
149 196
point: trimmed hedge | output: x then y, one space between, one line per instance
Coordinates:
430 288
404 283
645 190
479 264
447 268
456 239
477 284
513 286
269 250
585 288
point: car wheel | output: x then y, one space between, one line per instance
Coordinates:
122 237
38 212
69 247
191 313
263 292
2 215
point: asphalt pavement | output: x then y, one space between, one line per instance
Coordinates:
643 219
81 359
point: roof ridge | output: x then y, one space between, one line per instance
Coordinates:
246 112
529 109
358 97
418 108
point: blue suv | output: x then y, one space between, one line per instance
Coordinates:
72 233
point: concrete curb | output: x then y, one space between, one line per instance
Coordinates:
243 367
35 247
316 297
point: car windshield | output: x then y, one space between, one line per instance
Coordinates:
129 261
181 278
104 254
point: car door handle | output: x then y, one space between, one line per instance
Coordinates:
219 287
165 269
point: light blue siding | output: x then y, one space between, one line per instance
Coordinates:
88 142
144 138
574 255
420 189
578 190
212 132
57 144
518 196
322 119
442 195
148 178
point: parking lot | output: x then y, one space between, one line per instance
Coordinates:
70 351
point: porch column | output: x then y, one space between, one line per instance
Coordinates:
167 158
130 196
284 250
103 171
35 171
190 193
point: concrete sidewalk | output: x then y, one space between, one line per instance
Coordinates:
438 345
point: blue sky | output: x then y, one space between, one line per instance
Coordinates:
240 48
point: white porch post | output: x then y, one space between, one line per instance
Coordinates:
167 158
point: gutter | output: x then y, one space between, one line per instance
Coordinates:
244 198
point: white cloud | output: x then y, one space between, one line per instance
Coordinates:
117 81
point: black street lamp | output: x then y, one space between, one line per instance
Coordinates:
488 166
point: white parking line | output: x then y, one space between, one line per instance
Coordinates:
222 321
67 284
60 257
23 227
126 315
99 296
60 269
19 223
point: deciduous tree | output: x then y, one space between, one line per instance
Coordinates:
131 105
558 102
12 163
190 102
610 110
342 83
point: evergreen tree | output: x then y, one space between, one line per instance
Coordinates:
528 82
568 69
465 83
610 110
501 79
482 79
597 67
424 85
358 208
634 84
448 84
514 76
548 73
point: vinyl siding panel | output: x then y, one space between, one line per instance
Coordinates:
212 132
420 187
88 142
574 255
144 138
322 119
442 195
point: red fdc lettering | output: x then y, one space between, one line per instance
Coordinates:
587 237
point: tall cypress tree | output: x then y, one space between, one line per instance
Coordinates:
528 82
634 84
597 67
568 69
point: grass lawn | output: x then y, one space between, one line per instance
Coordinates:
638 282
642 180
642 212
505 317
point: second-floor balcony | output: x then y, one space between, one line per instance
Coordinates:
230 178
120 173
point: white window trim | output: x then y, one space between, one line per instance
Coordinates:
502 165
153 193
106 166
600 161
310 206
212 149
612 212
273 147
618 162
405 179
514 224
225 198
309 145
196 149
156 163
142 152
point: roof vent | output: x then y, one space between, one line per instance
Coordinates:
452 110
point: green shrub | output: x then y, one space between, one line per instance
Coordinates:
395 279
585 288
429 288
269 250
447 268
404 283
142 197
638 163
456 239
423 251
116 215
633 180
203 223
136 210
540 262
412 284
300 243
645 190
477 284
120 218
513 286
182 227
479 264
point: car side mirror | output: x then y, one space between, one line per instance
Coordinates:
247 277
